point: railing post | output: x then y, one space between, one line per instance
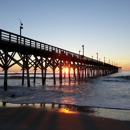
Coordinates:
48 47
40 46
9 37
44 47
24 41
30 43
35 45
0 34
17 39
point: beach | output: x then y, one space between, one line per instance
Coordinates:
31 118
108 96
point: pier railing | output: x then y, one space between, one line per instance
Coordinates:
13 38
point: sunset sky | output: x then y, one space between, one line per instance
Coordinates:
102 26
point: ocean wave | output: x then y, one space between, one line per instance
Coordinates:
124 77
113 80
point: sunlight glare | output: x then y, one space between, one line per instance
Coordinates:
66 70
63 110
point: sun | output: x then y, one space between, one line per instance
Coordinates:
66 70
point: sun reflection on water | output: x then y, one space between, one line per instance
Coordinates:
64 110
68 100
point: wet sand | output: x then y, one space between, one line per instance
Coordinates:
31 118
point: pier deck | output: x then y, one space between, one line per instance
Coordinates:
36 54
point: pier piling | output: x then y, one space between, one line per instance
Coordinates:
45 56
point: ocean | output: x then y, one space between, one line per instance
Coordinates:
111 91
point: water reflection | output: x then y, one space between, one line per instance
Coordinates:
64 110
68 100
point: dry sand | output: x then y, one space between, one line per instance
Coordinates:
30 118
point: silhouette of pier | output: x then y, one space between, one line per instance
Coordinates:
35 54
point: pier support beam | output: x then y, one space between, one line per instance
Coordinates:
69 74
42 75
34 75
5 69
54 77
82 70
60 74
23 76
85 72
43 71
35 68
88 72
27 67
74 73
23 70
44 79
78 69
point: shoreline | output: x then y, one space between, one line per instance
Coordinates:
110 113
30 118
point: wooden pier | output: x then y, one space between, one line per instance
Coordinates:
34 54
